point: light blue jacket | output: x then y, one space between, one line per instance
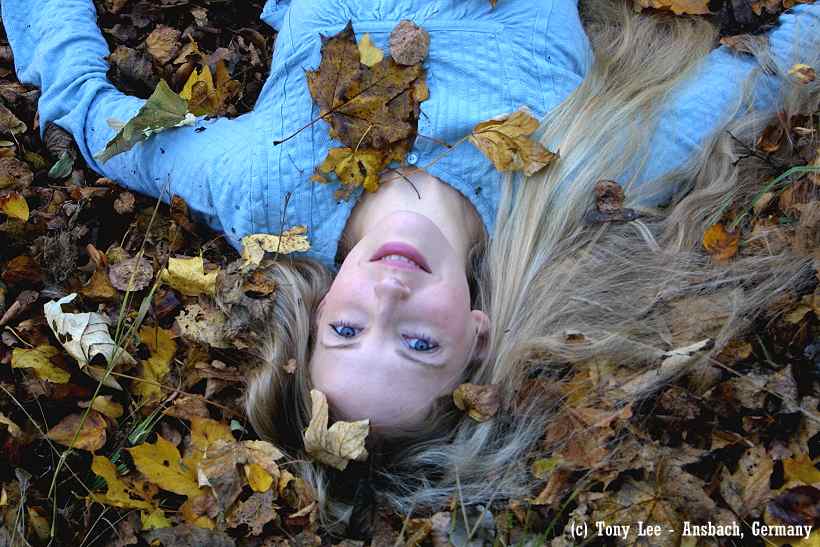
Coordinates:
482 62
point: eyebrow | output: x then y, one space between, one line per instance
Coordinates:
409 356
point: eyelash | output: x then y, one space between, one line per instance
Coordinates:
425 338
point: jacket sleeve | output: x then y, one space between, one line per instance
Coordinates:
59 48
714 95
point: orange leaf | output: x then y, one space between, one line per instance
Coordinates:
719 243
92 434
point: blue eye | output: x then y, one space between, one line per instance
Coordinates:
343 329
420 343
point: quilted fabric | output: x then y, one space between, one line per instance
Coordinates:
483 62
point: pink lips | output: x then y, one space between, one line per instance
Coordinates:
401 249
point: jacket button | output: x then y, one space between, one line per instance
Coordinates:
412 159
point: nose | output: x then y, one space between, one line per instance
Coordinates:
391 288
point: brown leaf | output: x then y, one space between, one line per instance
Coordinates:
124 203
163 43
98 287
9 123
771 138
409 43
14 174
480 402
679 7
747 490
796 506
255 512
505 141
368 108
719 243
186 535
92 435
133 274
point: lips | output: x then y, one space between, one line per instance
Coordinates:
404 250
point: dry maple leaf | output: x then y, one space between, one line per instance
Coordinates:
337 445
505 141
372 110
120 492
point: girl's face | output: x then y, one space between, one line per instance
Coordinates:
395 330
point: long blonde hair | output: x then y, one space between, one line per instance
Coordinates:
545 274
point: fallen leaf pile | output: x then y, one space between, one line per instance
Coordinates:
126 334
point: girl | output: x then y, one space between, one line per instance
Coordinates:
465 275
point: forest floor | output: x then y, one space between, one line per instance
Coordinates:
141 421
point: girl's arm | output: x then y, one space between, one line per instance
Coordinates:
714 94
59 48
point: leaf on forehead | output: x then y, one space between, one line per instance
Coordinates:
337 445
505 141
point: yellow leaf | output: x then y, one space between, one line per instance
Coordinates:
15 206
801 468
505 141
187 275
119 493
259 479
105 405
206 433
4 497
719 243
344 441
200 92
803 73
370 54
479 402
154 520
292 240
155 368
39 360
162 465
192 508
691 7
99 287
355 168
92 434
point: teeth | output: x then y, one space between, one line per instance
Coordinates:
399 258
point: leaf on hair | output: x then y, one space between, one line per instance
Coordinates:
337 445
505 141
